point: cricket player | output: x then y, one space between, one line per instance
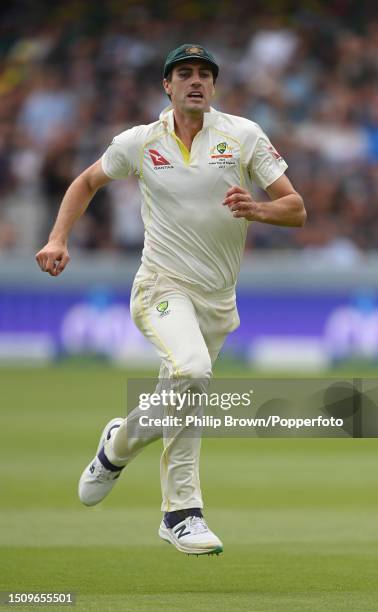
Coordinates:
196 168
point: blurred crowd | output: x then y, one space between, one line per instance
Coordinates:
72 75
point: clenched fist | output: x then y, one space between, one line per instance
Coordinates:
53 258
241 203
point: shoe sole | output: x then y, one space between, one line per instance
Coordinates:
166 536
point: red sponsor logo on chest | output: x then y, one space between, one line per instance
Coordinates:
158 159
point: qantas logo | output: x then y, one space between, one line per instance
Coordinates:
275 153
158 160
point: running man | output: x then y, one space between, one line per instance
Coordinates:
196 167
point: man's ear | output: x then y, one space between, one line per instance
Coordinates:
167 87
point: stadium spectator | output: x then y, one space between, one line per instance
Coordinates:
73 77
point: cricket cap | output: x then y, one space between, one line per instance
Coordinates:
190 52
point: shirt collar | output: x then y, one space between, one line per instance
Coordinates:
166 116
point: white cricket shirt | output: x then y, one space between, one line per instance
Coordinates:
189 235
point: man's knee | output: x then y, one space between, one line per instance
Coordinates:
198 366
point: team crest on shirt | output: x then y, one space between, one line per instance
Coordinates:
162 308
159 162
221 155
221 150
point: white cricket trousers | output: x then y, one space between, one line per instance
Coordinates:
188 332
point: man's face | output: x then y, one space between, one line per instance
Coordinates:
191 86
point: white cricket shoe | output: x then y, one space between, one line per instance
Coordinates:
192 536
97 480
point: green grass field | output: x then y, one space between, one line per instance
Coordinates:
298 517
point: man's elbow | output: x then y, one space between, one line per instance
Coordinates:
300 213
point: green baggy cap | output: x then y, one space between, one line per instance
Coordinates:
190 52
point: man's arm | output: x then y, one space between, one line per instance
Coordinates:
285 208
54 256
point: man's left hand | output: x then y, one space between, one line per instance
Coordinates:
241 203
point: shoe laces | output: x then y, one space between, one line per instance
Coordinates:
103 474
197 524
